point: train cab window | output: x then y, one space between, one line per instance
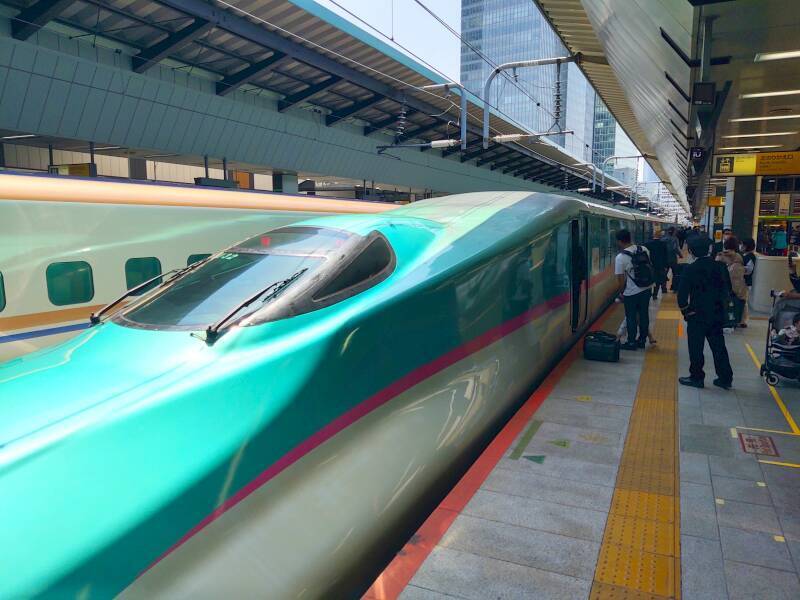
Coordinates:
2 293
69 282
362 272
139 270
276 271
193 258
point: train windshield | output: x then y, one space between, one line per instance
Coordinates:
276 259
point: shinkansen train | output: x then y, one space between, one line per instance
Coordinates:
69 246
269 421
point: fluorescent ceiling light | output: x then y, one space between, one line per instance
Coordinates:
108 148
750 147
765 56
770 94
18 137
765 134
770 118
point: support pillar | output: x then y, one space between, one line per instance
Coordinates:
285 183
743 206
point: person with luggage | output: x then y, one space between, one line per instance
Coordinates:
731 258
702 299
657 249
747 249
635 278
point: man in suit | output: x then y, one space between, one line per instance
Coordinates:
703 296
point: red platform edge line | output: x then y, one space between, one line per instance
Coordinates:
398 574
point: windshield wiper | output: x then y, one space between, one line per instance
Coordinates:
213 331
94 318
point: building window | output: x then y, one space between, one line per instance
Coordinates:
69 282
2 293
193 258
139 270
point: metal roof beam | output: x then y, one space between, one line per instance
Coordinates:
354 108
467 156
170 44
494 157
508 161
415 133
37 15
381 125
519 165
246 75
311 90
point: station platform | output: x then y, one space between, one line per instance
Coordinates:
613 481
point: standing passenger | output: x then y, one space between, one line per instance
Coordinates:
702 298
749 261
673 253
731 258
634 276
779 242
657 248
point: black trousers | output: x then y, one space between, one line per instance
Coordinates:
637 315
697 333
676 276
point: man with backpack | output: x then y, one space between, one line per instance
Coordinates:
635 277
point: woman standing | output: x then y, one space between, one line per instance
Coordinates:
733 260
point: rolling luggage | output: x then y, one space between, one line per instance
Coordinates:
600 345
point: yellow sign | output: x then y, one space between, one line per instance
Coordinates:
716 201
761 163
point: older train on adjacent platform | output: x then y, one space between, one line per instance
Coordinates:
68 246
271 421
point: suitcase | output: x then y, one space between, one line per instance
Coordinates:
600 345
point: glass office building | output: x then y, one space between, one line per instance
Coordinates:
499 31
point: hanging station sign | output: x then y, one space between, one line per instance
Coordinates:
757 163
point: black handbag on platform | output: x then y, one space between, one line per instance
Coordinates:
600 345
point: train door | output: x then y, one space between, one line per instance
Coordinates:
579 271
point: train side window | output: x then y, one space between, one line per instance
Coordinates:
193 258
373 264
69 282
139 270
2 293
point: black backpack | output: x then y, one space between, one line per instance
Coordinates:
641 269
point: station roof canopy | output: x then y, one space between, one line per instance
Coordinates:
656 52
310 58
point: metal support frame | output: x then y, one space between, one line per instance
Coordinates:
310 91
248 74
603 169
463 115
487 87
170 44
354 108
37 15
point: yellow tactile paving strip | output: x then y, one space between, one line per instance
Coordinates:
640 554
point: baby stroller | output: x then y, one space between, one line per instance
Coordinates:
780 358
